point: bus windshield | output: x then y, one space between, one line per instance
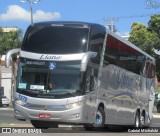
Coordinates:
56 39
46 79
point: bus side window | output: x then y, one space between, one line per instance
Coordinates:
130 59
111 52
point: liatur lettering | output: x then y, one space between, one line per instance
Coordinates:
50 57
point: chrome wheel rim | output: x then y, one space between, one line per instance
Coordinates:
137 121
142 121
99 119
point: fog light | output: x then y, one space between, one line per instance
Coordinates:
20 102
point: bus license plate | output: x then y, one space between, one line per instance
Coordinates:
44 115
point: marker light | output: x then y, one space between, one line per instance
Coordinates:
73 105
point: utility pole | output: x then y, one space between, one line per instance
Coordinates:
30 4
153 4
111 21
0 73
0 84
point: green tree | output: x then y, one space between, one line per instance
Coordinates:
148 38
154 27
138 34
154 24
143 38
10 40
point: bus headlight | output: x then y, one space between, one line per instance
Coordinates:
74 105
20 102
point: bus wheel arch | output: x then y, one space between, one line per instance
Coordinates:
101 105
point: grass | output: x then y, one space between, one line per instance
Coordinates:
14 125
6 125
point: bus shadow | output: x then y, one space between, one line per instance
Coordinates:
111 129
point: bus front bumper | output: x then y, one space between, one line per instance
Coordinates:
74 115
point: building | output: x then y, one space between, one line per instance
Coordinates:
6 74
9 29
126 37
6 79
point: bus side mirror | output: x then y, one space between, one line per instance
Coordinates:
86 59
8 56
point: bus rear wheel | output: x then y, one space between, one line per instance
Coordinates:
137 121
142 120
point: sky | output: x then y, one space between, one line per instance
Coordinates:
125 12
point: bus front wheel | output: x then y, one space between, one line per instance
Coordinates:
99 120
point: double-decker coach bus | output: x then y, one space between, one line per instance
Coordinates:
82 73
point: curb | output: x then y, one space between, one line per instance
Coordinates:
156 116
3 109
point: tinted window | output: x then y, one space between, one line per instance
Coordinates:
111 51
130 59
56 39
123 56
96 42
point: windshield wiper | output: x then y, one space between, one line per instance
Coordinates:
31 91
58 92
37 91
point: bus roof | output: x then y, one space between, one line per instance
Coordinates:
87 24
65 23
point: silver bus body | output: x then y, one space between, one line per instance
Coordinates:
121 93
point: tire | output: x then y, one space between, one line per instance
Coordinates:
43 124
99 120
137 122
158 108
142 121
88 127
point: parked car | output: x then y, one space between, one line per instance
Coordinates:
157 102
158 107
5 101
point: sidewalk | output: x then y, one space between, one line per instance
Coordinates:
6 108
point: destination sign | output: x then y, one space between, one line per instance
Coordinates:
35 63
